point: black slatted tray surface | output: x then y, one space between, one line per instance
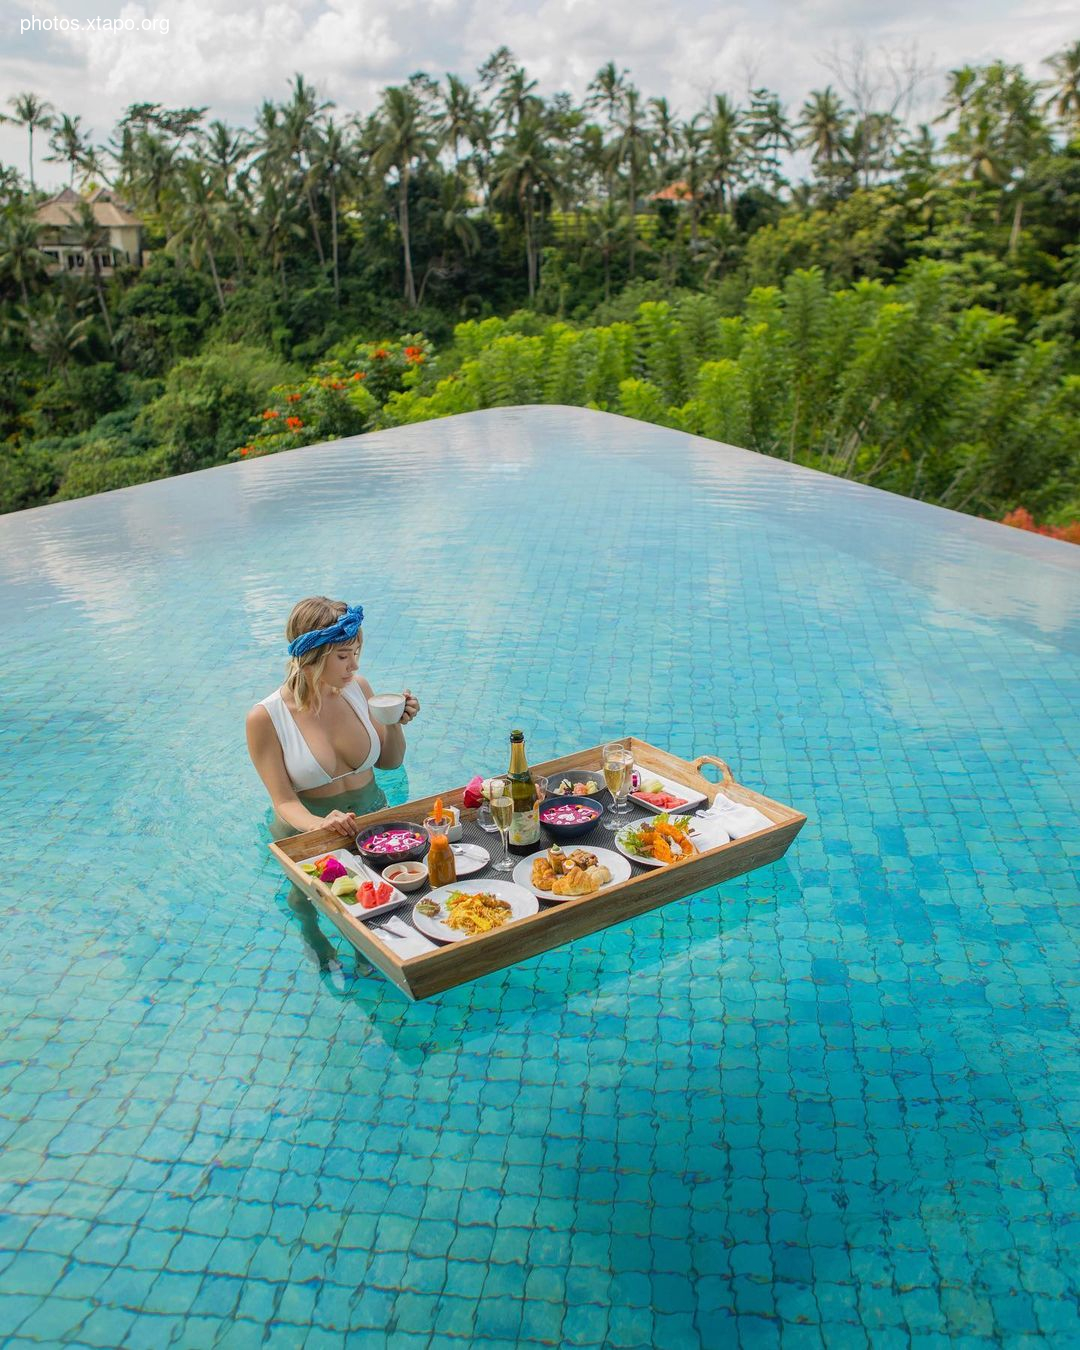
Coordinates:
600 836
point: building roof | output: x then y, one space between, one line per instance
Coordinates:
63 209
674 192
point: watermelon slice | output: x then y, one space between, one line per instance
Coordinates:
665 801
383 892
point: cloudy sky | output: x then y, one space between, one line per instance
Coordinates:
231 57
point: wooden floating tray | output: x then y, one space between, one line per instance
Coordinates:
458 962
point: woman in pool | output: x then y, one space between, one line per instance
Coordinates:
313 740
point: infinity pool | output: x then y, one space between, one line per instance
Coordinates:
833 1103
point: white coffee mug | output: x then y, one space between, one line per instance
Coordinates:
387 708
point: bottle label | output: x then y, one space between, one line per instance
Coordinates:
525 827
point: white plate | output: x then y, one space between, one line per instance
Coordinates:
619 867
691 798
470 858
521 902
359 869
701 840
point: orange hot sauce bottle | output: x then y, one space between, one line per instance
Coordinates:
440 858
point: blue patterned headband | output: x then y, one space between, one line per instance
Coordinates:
343 631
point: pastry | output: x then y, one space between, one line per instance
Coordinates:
542 875
580 858
576 882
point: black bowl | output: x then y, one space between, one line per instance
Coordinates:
381 860
561 832
579 776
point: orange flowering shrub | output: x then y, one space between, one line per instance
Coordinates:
1022 519
341 397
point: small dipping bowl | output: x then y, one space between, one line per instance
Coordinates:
587 811
406 876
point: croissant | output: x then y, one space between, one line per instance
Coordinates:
576 882
542 875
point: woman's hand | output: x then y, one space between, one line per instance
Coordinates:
345 822
412 707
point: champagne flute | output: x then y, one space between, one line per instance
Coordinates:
502 813
618 768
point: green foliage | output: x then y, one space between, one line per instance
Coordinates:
893 385
162 316
98 467
205 410
75 401
909 316
340 397
29 475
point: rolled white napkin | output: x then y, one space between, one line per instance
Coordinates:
406 941
735 817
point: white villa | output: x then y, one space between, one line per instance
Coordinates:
60 231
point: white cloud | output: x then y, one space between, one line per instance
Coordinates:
233 58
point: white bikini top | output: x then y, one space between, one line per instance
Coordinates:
303 768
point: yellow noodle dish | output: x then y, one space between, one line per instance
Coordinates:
476 912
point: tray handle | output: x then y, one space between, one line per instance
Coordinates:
727 778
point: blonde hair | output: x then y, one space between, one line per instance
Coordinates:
303 673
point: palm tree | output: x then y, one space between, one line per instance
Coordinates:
603 232
276 226
335 161
606 89
90 239
20 258
225 149
55 333
631 149
526 176
456 225
482 142
457 121
977 146
723 150
29 111
300 121
154 168
1024 136
768 132
665 134
870 144
693 167
824 123
403 137
962 85
198 215
1065 98
70 146
515 99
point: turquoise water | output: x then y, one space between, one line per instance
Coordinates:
831 1103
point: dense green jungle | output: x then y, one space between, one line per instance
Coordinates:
903 311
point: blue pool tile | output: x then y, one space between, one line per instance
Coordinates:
830 1102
